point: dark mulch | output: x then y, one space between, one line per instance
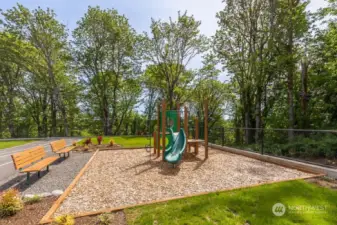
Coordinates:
117 218
31 214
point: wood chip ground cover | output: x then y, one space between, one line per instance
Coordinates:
127 177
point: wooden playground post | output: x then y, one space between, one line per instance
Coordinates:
178 119
206 127
163 124
186 126
158 130
154 142
196 150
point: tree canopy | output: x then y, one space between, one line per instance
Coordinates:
279 61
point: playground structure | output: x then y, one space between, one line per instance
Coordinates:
178 138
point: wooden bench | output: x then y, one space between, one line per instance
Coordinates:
32 160
60 147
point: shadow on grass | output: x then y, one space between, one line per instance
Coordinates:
249 205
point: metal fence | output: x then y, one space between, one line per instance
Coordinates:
314 146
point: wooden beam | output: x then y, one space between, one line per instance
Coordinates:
158 130
196 150
58 202
186 126
154 142
109 210
163 124
206 127
178 120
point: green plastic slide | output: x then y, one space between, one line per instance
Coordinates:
171 138
174 154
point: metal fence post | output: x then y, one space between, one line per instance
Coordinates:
222 136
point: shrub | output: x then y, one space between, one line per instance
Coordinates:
111 143
10 203
32 200
86 147
87 141
74 143
64 220
104 219
99 139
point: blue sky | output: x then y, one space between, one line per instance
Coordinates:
139 12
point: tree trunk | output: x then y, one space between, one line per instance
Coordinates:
290 77
53 115
258 116
10 117
304 93
65 121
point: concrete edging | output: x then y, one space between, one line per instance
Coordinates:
281 161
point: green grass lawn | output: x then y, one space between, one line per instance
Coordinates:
251 206
125 141
8 144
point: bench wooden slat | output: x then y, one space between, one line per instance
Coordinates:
66 150
27 157
41 164
58 145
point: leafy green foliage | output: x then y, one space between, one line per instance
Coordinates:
310 146
64 220
104 50
10 202
104 219
32 200
169 49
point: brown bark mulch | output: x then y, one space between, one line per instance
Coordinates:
120 178
30 214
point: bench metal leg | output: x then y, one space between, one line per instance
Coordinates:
38 174
47 168
28 176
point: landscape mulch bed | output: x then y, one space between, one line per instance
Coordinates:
121 178
92 147
32 214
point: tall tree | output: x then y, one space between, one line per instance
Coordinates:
104 52
49 38
170 48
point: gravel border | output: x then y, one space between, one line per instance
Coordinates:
119 178
61 174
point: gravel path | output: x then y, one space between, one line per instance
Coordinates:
119 178
60 175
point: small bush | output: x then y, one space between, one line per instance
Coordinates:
111 142
32 200
74 143
87 141
10 203
99 139
104 219
64 220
